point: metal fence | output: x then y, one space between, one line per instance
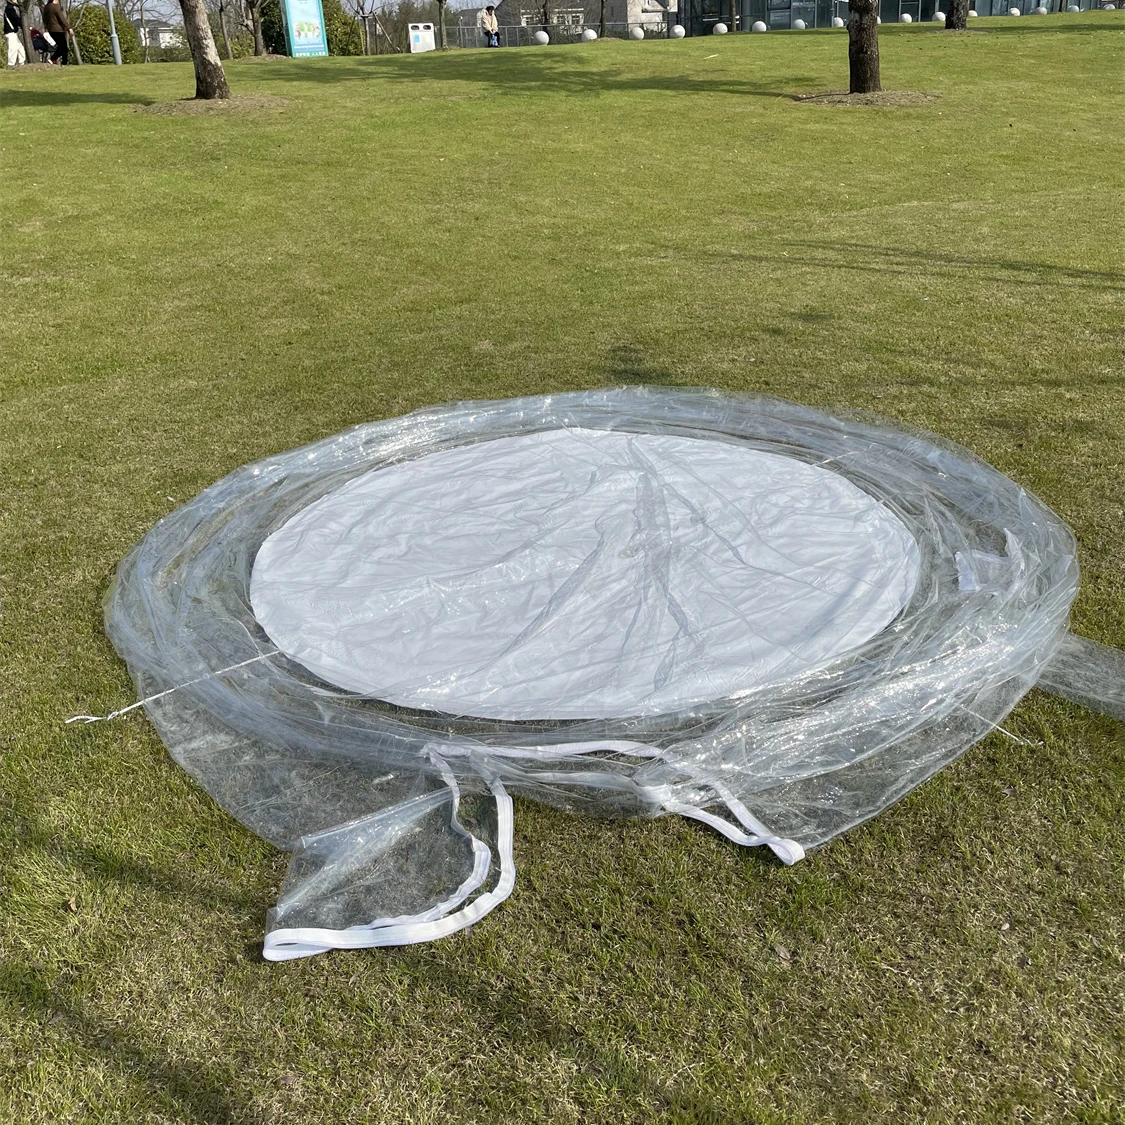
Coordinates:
470 35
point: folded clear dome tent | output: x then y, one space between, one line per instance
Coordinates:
626 602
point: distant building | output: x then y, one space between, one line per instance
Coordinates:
649 11
154 33
700 16
529 13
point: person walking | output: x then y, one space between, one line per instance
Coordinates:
490 27
55 22
13 28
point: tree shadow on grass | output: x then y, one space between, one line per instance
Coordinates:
195 1091
520 71
627 364
923 264
49 99
97 860
1033 25
517 1013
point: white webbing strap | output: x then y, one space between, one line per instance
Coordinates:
788 851
438 921
449 916
657 796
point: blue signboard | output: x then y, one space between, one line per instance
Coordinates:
305 33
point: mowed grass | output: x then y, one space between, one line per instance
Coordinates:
184 294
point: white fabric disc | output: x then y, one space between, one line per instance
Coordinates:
581 574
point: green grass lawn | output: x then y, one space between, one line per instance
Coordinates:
185 294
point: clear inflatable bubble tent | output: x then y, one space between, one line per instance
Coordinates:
628 602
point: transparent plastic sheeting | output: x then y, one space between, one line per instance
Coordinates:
627 602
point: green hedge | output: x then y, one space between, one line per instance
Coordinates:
273 31
345 36
91 29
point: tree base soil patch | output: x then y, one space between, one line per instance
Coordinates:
193 107
887 98
34 68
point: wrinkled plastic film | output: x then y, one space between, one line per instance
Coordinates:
1088 673
387 808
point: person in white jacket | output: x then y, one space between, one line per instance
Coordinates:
489 27
13 26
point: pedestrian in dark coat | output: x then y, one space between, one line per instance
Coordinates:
55 21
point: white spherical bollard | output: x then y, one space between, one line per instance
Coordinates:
1073 8
837 22
589 35
1014 12
636 33
1109 7
758 26
972 13
906 18
878 19
939 17
1040 11
542 38
719 29
798 25
678 32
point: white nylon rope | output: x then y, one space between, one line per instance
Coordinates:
169 691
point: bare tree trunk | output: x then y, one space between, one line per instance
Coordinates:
366 36
25 33
210 81
144 34
223 29
863 46
733 16
72 36
601 22
546 14
256 23
382 27
957 18
441 24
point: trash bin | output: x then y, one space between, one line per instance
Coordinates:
421 37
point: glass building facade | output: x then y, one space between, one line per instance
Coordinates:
699 17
